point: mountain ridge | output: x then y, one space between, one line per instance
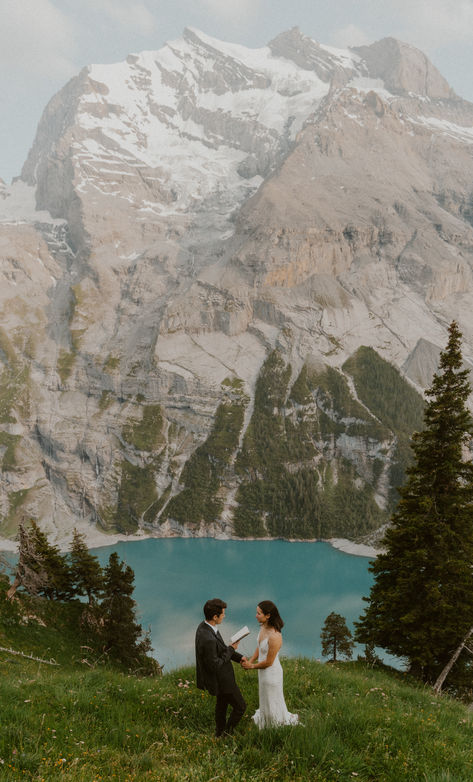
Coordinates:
211 206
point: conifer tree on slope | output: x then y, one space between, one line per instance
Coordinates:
59 581
421 601
41 569
86 572
30 573
336 637
121 631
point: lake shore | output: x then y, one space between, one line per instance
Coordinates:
174 577
356 549
97 539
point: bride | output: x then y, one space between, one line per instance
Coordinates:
272 706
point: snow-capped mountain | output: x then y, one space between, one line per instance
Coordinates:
186 217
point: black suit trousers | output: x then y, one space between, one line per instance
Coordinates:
224 700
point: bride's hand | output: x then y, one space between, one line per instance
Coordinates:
246 665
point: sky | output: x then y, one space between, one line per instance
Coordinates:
44 43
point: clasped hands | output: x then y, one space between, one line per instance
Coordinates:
244 660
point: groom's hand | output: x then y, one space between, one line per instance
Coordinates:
235 645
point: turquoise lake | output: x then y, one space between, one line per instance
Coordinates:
174 577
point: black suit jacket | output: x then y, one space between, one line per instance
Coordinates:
214 670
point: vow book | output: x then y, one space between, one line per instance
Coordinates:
242 633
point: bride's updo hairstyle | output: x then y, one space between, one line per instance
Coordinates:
268 607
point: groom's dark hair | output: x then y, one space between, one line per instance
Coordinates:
214 607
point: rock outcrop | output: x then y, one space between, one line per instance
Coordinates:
217 266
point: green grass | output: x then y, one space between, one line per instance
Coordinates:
106 399
145 434
9 443
112 362
14 390
397 405
281 494
207 466
65 363
137 493
9 523
82 724
84 721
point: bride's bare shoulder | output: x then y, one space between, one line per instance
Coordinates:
274 637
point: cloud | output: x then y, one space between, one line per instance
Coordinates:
238 11
351 35
427 24
36 38
129 17
437 22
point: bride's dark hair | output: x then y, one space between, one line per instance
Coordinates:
268 607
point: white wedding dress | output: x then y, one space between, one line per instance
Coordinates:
272 706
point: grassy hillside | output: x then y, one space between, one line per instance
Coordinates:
83 723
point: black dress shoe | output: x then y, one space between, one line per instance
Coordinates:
225 734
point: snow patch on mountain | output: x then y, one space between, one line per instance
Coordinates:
366 84
459 132
174 112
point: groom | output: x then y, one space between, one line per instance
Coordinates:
214 671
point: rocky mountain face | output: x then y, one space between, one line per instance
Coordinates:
226 275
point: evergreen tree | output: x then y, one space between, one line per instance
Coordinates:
87 575
122 634
59 580
370 657
336 637
30 573
421 601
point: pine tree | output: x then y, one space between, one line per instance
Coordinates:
122 634
421 601
59 581
87 575
336 637
30 573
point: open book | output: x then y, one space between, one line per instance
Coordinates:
242 633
